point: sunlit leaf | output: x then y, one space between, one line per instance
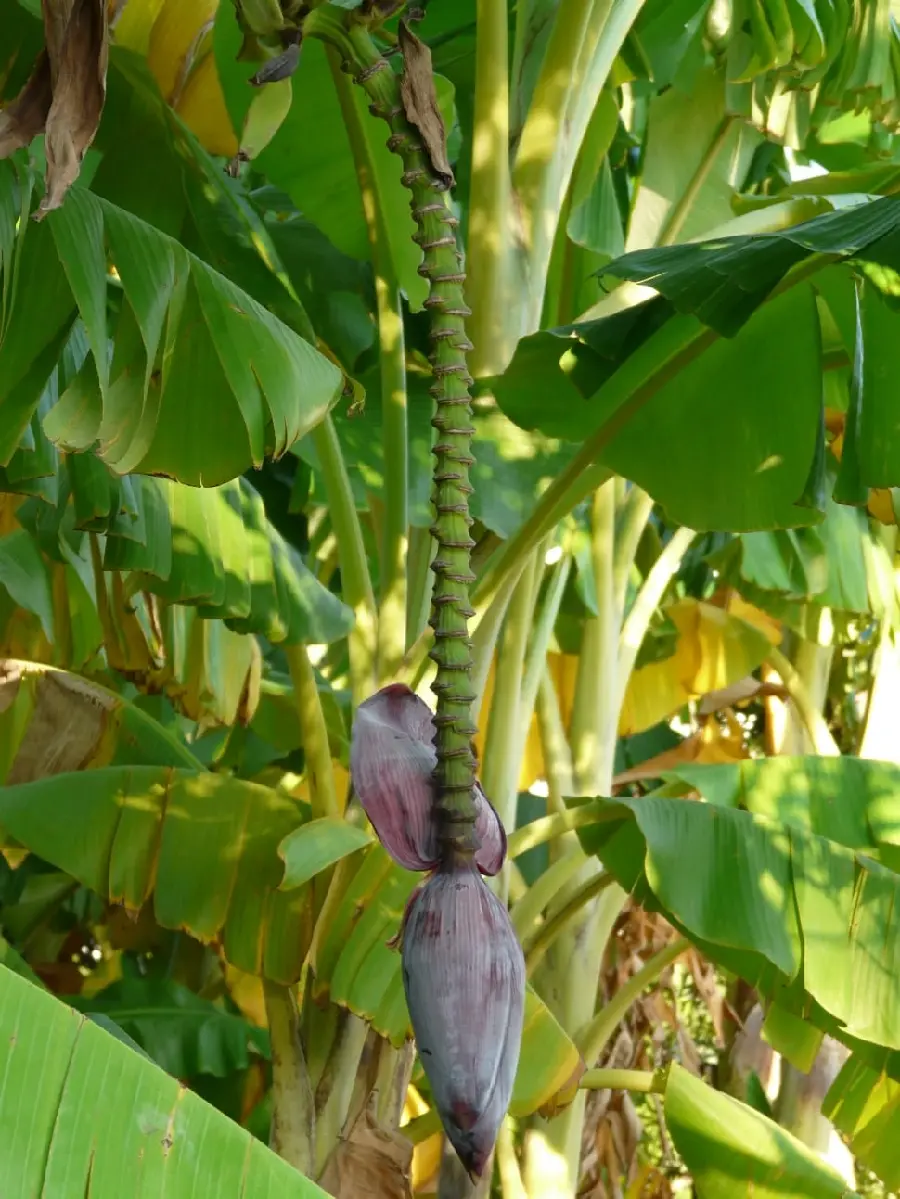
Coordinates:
98 1113
734 1152
202 847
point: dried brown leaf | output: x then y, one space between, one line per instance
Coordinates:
370 1163
66 725
79 29
24 118
64 97
420 102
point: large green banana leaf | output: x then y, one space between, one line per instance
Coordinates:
788 892
182 1032
202 845
734 1152
193 352
81 1114
864 1104
709 394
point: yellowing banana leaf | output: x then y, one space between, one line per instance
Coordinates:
357 969
175 40
712 744
100 1117
714 649
201 105
202 846
134 24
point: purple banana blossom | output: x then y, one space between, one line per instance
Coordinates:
464 977
392 761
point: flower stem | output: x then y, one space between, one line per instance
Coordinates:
450 612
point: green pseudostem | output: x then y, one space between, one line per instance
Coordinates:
442 267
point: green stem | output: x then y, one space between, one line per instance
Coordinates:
573 484
587 35
570 913
536 663
815 722
674 222
394 542
313 733
660 575
293 1117
355 580
487 630
335 1090
421 551
392 364
641 1081
593 1039
502 756
593 731
526 912
554 746
634 514
511 1184
488 236
546 828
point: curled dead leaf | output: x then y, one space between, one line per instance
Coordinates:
24 118
369 1163
64 97
68 720
420 103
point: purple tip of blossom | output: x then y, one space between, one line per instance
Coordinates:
392 761
464 978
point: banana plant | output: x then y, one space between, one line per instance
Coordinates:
255 283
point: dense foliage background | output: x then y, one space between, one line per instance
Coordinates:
679 223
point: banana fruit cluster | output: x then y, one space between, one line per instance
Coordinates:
794 65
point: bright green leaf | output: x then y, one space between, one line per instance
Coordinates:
315 846
733 1152
79 1110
